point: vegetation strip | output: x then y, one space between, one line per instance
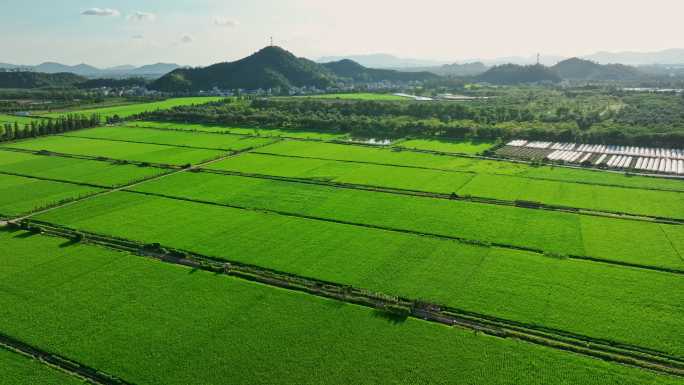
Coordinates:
453 196
142 142
90 157
53 179
74 368
466 171
233 133
413 232
396 306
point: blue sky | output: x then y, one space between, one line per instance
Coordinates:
201 32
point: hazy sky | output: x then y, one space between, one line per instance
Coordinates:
200 32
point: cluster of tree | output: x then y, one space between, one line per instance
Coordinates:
390 120
35 128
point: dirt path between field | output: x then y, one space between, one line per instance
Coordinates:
68 366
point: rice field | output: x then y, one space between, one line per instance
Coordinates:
190 324
21 120
349 153
74 170
573 295
139 152
172 138
20 195
448 146
125 111
553 232
456 163
442 228
17 369
668 204
265 132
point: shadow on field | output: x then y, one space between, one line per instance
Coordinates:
68 243
17 233
392 318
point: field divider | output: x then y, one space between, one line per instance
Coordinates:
470 172
125 125
60 363
152 143
84 184
453 196
393 306
91 157
468 241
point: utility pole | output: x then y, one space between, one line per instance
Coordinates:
538 56
271 41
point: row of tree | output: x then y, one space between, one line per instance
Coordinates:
35 128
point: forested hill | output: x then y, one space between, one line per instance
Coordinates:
38 80
349 69
516 74
274 67
269 68
579 69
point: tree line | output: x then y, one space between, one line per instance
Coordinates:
35 128
381 119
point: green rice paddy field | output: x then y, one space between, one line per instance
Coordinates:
140 152
579 296
152 323
556 232
267 132
93 172
21 120
17 369
172 138
21 195
386 156
137 108
637 201
448 146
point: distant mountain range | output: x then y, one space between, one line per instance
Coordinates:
466 69
382 60
580 69
669 56
28 80
274 67
146 71
570 69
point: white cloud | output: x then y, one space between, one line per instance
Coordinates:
225 22
101 12
142 16
186 39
